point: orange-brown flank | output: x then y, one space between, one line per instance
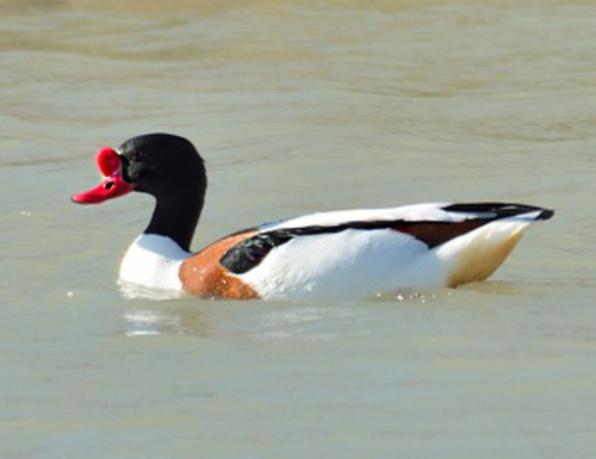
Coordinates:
202 274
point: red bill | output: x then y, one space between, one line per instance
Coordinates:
112 185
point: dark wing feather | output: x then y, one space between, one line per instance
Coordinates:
250 252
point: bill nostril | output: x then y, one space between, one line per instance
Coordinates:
108 185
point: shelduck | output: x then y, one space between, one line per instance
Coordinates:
340 255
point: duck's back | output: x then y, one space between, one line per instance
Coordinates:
355 254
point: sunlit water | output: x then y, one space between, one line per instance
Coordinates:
298 108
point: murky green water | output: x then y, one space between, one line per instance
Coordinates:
298 108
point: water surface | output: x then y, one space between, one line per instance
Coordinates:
298 108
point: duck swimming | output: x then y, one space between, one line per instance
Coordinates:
341 255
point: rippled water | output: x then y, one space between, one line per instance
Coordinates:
298 108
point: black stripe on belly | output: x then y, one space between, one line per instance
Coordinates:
248 253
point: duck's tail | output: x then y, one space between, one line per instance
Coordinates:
477 254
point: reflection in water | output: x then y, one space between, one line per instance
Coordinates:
265 320
167 318
131 291
145 323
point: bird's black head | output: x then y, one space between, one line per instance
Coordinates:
165 166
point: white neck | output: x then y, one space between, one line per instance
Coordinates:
152 262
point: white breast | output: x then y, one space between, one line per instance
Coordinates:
150 267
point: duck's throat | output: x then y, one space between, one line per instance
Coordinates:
176 219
